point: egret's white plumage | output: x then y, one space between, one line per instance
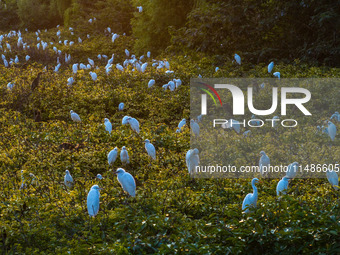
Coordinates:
125 120
192 159
292 170
182 123
251 199
331 130
74 116
93 76
124 156
237 59
264 163
232 124
333 178
277 74
127 182
195 127
112 156
282 186
99 177
151 83
134 124
93 200
108 125
270 67
150 149
68 180
121 107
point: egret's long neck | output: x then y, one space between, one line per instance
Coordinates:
254 189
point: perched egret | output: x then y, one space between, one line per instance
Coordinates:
108 125
331 130
93 76
68 180
292 170
232 124
112 156
199 118
151 83
216 69
99 177
264 163
119 67
237 59
127 52
333 178
282 186
91 62
124 156
140 8
27 58
127 182
182 123
275 119
251 199
121 107
336 116
270 67
150 149
74 116
75 68
93 200
277 74
114 37
134 124
192 160
195 127
70 81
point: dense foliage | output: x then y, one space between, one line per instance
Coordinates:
172 213
278 30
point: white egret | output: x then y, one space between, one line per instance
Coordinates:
192 159
251 199
10 86
99 177
277 74
124 156
331 130
292 170
68 180
127 182
182 123
27 58
275 119
171 85
199 118
121 107
264 163
195 127
93 76
151 83
91 62
108 125
140 8
93 200
127 52
237 59
143 67
134 124
148 54
150 149
282 186
270 67
74 116
70 81
333 178
112 156
75 68
119 67
216 69
114 37
232 124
